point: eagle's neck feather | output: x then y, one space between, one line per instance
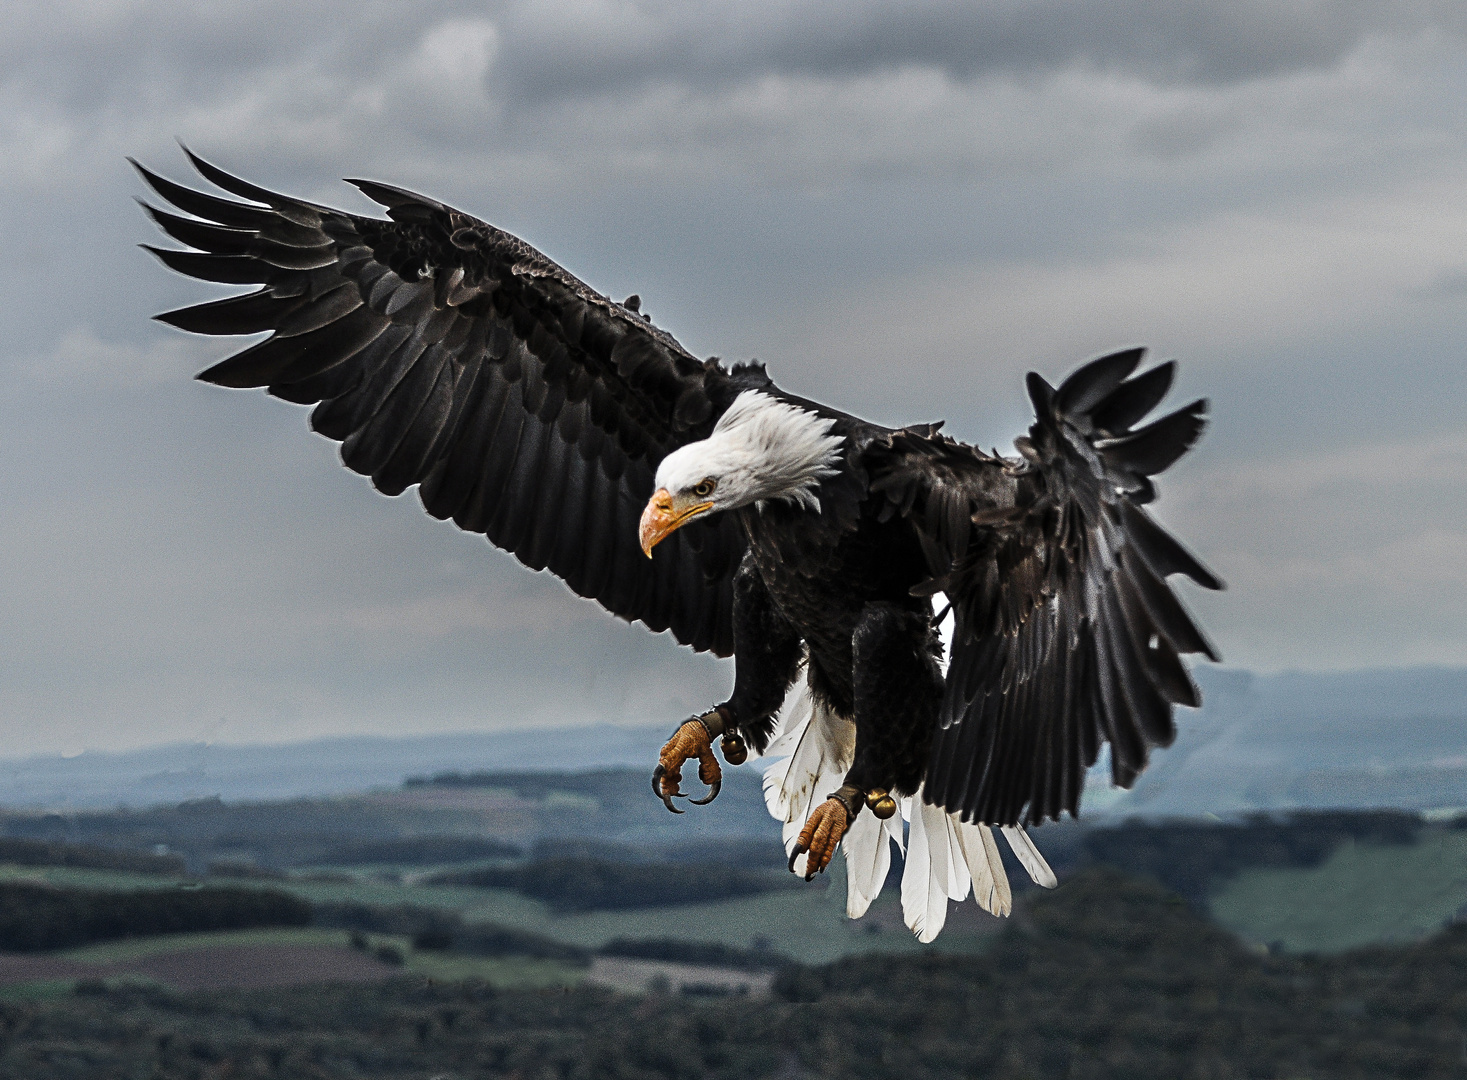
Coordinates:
761 450
790 449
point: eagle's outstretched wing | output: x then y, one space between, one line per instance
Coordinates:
443 352
1067 634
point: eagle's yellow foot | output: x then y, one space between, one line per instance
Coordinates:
692 740
822 833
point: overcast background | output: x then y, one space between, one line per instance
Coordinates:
900 207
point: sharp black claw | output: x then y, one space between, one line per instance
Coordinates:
657 775
795 854
712 794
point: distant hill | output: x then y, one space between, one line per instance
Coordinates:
1359 739
605 813
176 772
1299 741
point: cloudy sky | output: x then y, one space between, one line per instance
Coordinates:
901 208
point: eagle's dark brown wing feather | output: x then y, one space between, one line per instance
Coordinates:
1067 633
443 352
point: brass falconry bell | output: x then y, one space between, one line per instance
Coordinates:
881 803
734 750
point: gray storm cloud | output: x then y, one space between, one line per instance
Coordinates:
900 207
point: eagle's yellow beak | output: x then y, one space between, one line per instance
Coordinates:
664 515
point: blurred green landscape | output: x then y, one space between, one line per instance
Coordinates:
478 894
1106 977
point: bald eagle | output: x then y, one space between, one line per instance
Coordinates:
702 500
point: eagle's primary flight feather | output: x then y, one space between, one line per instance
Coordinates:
444 353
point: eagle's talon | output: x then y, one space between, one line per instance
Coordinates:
820 837
666 797
689 741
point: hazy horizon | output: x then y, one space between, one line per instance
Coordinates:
222 736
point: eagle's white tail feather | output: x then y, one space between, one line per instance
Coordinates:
867 851
894 826
990 880
793 721
820 745
928 875
1029 856
1003 895
944 851
960 878
970 839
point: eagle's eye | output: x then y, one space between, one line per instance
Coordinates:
704 488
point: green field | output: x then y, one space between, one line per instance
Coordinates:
1362 894
72 878
119 952
806 924
510 972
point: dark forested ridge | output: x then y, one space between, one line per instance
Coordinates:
35 918
571 883
85 857
1105 978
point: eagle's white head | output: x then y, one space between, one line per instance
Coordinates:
761 450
